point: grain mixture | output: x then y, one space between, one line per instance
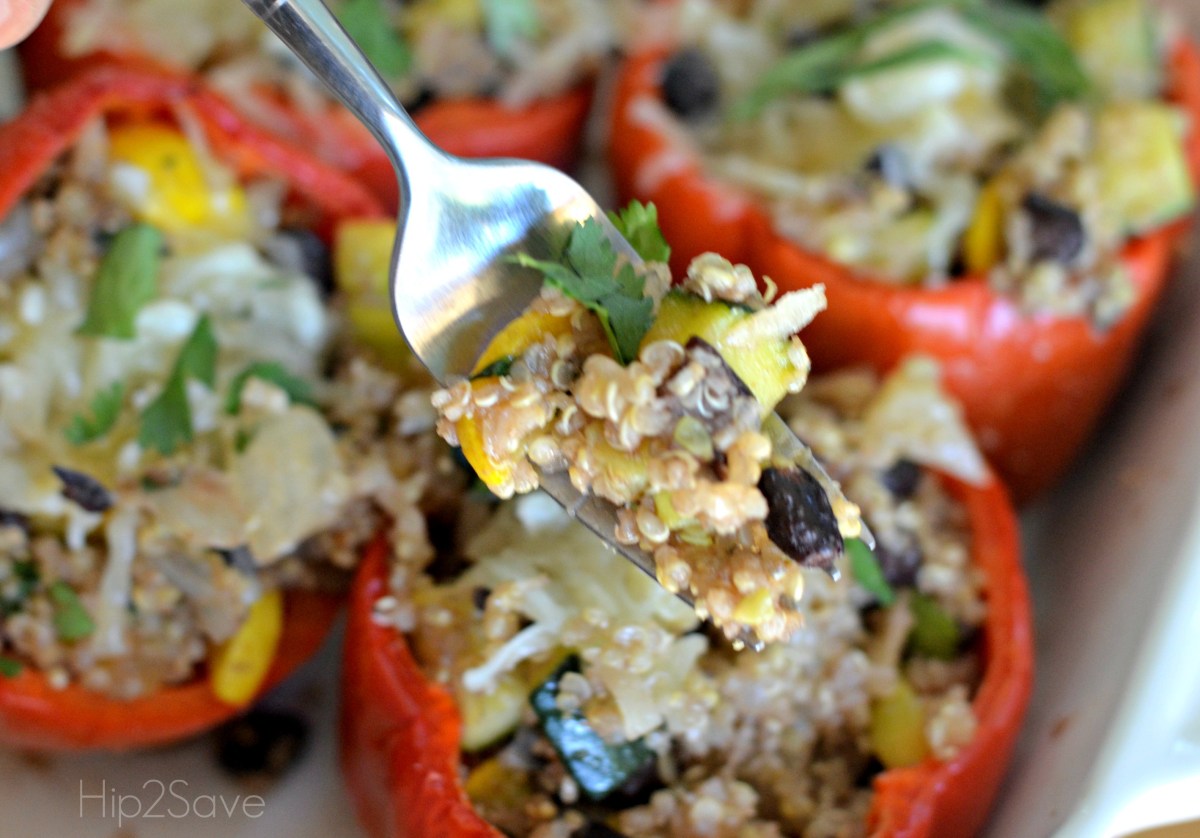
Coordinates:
595 703
186 429
919 142
655 400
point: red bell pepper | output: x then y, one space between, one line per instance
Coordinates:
32 713
549 131
400 732
1033 387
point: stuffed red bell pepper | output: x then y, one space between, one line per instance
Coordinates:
976 181
481 78
195 448
529 681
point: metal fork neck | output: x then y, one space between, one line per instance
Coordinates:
314 34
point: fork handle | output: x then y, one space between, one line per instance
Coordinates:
312 32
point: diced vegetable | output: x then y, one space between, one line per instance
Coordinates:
1143 172
362 263
934 634
600 768
170 188
983 241
519 335
240 665
897 729
488 717
368 22
764 367
491 471
493 782
1116 43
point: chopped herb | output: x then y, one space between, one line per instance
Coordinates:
10 667
588 273
867 571
638 223
126 281
242 439
599 767
106 407
935 634
84 490
499 367
509 22
298 390
368 23
167 421
1037 50
71 620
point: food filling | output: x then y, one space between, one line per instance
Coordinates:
594 703
188 428
918 142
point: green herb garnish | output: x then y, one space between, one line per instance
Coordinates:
298 390
497 368
10 667
588 273
106 407
509 22
1038 52
167 421
71 620
638 223
867 571
27 578
935 634
368 23
126 281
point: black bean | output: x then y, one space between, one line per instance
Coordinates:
899 564
9 518
262 743
901 478
690 85
800 519
890 163
700 345
83 490
301 250
1056 230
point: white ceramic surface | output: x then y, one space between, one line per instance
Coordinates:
1112 741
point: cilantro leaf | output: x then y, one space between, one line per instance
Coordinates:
71 620
588 273
509 22
106 407
638 223
368 23
298 390
497 368
167 421
867 571
10 667
126 280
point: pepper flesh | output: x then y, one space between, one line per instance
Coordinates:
33 714
1033 387
549 130
401 733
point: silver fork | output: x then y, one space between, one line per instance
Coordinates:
452 286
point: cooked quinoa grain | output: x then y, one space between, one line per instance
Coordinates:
674 437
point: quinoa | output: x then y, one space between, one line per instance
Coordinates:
128 556
770 743
674 438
